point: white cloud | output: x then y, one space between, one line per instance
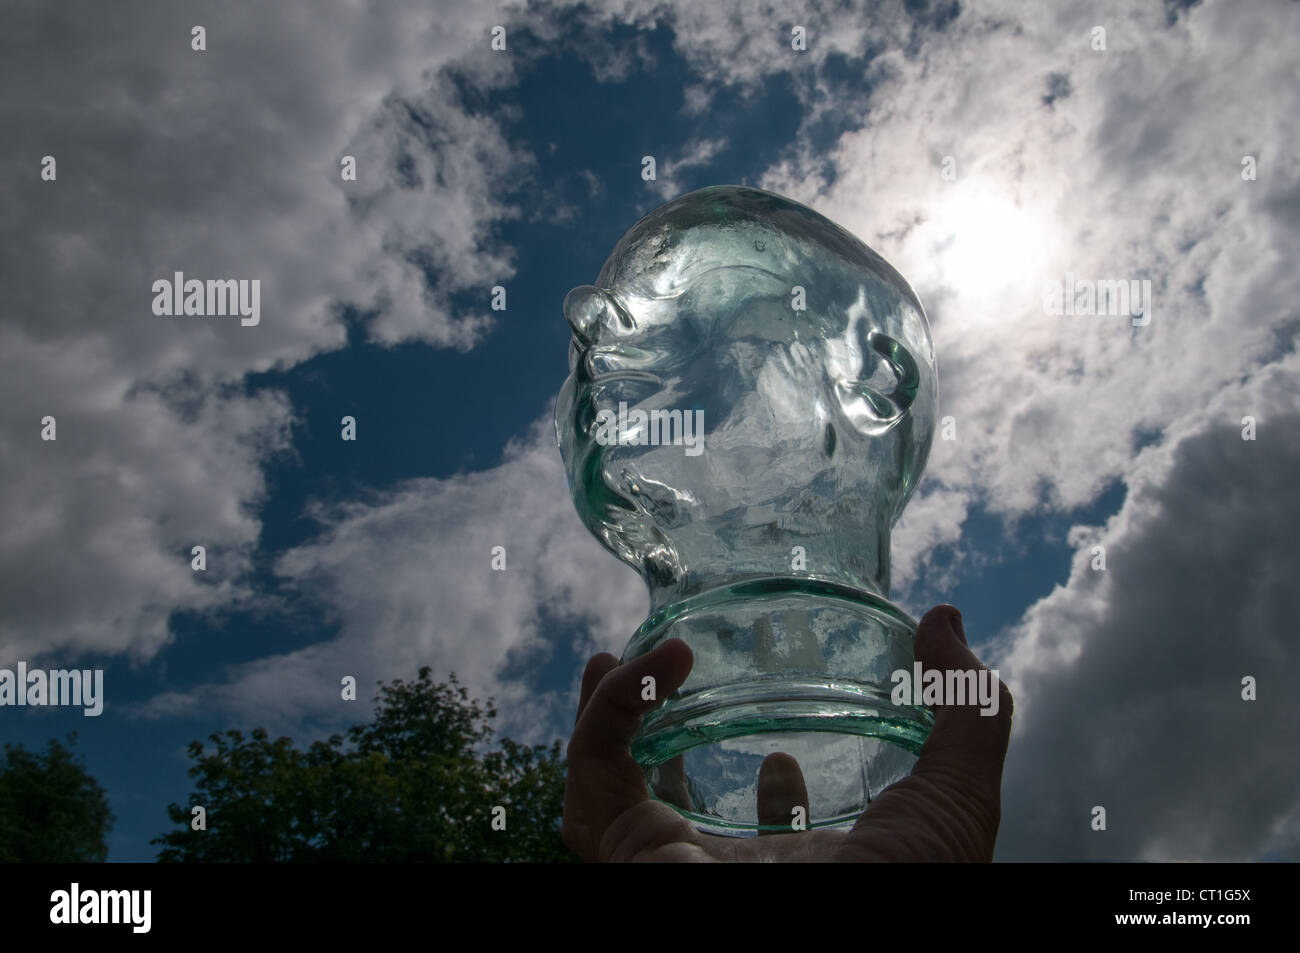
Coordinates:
927 524
100 522
224 163
697 152
1128 682
408 578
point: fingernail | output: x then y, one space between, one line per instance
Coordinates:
954 623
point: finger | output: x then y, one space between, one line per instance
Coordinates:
965 739
596 669
613 713
670 783
781 789
603 781
950 806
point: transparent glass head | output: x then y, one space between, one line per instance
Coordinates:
749 407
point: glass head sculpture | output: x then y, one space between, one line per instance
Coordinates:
749 407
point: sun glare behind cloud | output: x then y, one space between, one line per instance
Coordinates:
984 242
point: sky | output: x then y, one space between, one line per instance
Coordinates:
985 149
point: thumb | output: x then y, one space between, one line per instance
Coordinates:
950 806
967 746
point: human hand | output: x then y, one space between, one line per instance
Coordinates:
947 809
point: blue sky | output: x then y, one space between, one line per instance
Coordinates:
523 169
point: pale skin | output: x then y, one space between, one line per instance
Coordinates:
948 809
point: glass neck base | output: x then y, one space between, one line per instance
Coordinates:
794 664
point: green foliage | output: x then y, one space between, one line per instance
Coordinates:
407 786
51 810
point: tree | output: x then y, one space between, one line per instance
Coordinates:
51 809
407 786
